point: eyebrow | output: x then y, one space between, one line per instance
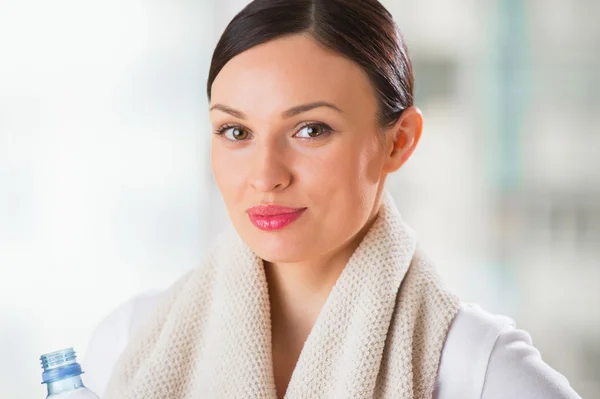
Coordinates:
286 114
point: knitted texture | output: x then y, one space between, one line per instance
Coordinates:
380 333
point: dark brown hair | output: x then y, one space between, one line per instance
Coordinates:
361 30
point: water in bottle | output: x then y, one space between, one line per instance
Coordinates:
62 374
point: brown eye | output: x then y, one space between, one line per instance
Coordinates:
236 134
311 131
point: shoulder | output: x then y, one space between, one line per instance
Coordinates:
112 335
485 356
469 343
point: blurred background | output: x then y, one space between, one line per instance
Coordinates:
106 189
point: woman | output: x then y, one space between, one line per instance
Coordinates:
319 290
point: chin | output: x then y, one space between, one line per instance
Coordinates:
278 247
280 257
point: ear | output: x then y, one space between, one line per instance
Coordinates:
402 138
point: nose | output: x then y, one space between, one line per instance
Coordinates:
269 171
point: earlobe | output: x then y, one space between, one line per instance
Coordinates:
406 134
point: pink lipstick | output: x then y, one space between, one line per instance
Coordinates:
273 217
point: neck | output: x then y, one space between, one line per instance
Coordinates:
299 290
65 384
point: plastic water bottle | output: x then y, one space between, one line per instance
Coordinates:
62 373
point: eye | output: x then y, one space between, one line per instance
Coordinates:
235 133
313 130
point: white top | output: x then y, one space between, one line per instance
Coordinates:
484 357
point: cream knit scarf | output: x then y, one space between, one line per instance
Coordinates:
379 335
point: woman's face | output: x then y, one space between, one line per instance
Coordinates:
296 127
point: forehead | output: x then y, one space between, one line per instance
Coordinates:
289 71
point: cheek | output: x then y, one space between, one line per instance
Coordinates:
346 172
373 161
358 166
348 180
323 173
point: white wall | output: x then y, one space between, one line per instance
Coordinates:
103 168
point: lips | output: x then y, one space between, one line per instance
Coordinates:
273 217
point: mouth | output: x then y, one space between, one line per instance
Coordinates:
273 217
